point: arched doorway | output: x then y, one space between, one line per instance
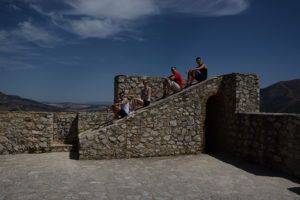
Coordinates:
213 121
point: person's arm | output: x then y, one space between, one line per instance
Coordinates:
172 77
125 101
198 68
202 67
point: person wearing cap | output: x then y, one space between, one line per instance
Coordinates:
199 73
174 82
145 98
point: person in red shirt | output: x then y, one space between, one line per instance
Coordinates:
174 82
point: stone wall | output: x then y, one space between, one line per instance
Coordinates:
171 126
94 120
22 132
62 123
132 86
272 140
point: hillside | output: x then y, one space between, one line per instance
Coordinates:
281 97
16 103
77 107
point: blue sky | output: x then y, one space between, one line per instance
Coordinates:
70 50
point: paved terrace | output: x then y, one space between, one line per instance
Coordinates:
55 176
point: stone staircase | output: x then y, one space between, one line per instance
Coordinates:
60 147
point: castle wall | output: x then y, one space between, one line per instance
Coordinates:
172 126
22 132
272 140
62 123
94 120
179 125
132 85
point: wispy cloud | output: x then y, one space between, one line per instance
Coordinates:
13 65
108 18
39 36
208 8
16 39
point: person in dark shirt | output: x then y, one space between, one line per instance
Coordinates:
174 82
199 73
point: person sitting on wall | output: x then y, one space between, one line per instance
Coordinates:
199 73
145 98
174 82
121 108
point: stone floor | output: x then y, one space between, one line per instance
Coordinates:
55 176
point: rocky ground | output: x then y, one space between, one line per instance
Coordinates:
55 176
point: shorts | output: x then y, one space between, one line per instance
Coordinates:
146 103
175 87
200 76
122 113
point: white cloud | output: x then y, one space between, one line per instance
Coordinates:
41 37
107 18
113 9
94 28
212 8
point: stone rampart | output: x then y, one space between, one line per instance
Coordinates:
23 132
171 126
94 120
272 140
218 115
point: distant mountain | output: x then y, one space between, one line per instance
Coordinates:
282 97
16 103
76 107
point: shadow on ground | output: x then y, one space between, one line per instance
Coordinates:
253 168
295 190
73 139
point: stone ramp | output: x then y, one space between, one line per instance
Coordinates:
170 126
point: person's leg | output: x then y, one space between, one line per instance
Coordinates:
122 113
166 87
200 77
175 87
136 102
191 77
146 103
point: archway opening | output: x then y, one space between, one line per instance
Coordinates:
213 133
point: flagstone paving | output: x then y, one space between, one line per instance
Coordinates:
55 176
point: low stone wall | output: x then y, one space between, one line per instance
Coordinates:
132 86
22 132
272 140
